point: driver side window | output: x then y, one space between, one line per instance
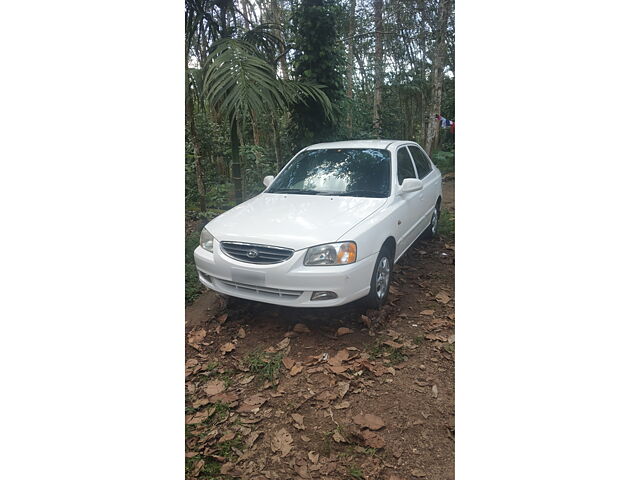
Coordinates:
405 165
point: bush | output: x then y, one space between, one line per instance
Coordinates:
192 286
445 161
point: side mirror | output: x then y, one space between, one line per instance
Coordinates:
411 185
268 180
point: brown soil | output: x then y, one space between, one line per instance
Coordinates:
408 382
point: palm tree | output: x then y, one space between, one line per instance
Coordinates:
239 82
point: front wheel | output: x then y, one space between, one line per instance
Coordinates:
380 280
432 229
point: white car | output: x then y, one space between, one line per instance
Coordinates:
328 229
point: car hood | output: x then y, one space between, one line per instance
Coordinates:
292 221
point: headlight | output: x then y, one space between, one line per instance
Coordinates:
206 240
342 253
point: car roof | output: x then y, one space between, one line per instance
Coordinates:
381 144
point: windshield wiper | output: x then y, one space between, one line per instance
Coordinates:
360 193
298 191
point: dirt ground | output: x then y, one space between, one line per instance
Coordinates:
338 393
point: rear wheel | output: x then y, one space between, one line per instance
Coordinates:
381 279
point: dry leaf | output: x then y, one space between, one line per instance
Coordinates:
296 369
214 387
342 405
418 473
227 468
197 467
222 318
301 328
343 388
339 438
368 420
281 442
226 437
451 339
227 347
434 391
283 344
372 439
288 362
251 439
393 344
366 320
247 380
442 297
339 357
298 421
343 331
195 337
427 312
242 333
313 456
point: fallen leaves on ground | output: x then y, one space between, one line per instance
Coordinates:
214 387
372 439
368 420
301 328
281 442
227 347
442 297
343 331
195 337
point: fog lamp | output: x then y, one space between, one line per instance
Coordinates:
323 295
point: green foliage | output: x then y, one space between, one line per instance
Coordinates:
446 224
238 82
355 472
445 161
192 286
265 365
319 58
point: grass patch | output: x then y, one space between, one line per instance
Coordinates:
192 286
355 472
220 411
446 224
379 350
210 471
445 161
265 366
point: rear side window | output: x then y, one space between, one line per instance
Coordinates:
405 165
422 162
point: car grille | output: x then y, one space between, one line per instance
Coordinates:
263 291
252 253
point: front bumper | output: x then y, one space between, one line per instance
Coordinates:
289 283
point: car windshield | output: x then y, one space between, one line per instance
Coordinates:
352 172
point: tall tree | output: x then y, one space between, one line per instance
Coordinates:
350 65
240 83
378 76
318 58
437 74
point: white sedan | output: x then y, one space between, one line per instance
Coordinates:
328 229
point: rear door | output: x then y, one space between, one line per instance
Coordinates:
430 181
410 211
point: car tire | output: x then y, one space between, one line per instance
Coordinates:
381 279
432 229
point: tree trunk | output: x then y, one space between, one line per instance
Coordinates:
378 69
437 67
196 153
276 144
236 171
350 66
277 19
